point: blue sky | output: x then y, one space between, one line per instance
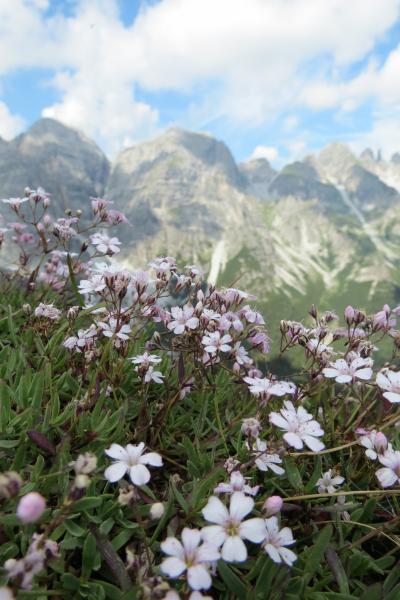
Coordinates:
273 78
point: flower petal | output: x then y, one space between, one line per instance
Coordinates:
116 451
151 458
312 443
115 472
214 534
172 566
253 530
293 440
240 505
199 578
172 547
139 474
215 512
191 539
234 549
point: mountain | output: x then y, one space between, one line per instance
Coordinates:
62 160
325 229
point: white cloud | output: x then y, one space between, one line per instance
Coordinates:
10 125
268 152
247 61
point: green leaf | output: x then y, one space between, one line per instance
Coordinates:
87 503
316 554
232 581
293 474
73 528
88 555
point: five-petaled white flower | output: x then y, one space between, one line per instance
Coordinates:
264 460
131 460
95 284
190 556
152 375
264 387
214 342
328 482
237 484
300 427
276 541
343 372
390 381
182 319
230 530
114 328
145 359
105 244
390 473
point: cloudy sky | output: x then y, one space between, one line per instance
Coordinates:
274 78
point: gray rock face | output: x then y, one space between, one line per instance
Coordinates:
257 174
63 161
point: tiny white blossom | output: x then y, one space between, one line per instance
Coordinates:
145 359
237 484
390 473
264 387
300 427
343 372
264 460
214 342
105 244
390 382
190 556
92 285
131 460
152 375
230 530
47 311
375 443
327 483
114 328
182 319
276 541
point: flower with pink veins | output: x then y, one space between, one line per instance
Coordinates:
182 319
343 372
390 473
214 342
300 427
229 529
105 244
241 355
237 484
390 382
276 541
131 460
374 441
190 556
264 387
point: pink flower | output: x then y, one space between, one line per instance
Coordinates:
272 505
266 388
375 443
182 319
300 427
237 484
31 507
343 372
390 381
104 244
276 541
214 342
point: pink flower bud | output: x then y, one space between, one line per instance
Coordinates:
381 442
31 507
349 314
272 505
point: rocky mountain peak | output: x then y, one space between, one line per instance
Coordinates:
367 155
396 158
334 161
257 174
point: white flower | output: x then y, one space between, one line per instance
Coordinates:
152 375
276 540
84 339
390 474
241 355
300 427
327 483
262 386
90 286
15 202
390 381
190 556
48 311
182 319
343 372
375 443
145 359
229 531
104 244
237 484
214 342
114 328
131 459
265 461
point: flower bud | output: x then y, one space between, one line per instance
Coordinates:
128 496
72 312
313 312
81 482
272 505
31 507
251 427
85 464
349 314
157 510
10 484
27 309
381 442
